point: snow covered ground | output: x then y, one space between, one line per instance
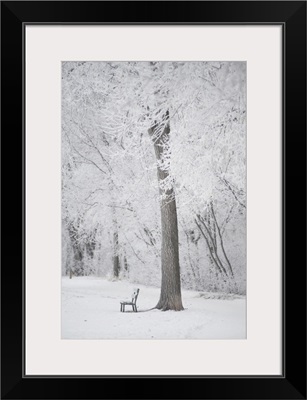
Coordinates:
91 310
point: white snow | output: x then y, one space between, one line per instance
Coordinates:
91 310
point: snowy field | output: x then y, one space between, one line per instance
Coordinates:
91 310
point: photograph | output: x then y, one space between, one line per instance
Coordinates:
159 167
153 200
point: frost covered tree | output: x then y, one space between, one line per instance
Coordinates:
170 297
124 124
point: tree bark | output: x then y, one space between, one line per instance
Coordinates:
116 263
78 265
115 258
170 296
221 241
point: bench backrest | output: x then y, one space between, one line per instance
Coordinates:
135 295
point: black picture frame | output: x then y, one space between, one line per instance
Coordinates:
292 383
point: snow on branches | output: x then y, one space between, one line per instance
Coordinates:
114 119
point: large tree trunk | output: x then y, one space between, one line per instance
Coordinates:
170 297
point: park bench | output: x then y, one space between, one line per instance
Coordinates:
130 303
